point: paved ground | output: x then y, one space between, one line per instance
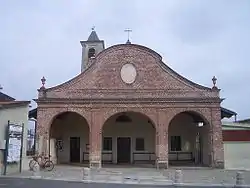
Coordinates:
141 175
40 183
31 183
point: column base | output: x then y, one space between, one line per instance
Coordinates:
219 164
161 164
95 164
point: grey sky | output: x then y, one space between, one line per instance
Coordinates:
198 39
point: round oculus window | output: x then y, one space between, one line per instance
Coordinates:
128 73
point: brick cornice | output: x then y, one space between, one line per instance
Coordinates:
129 100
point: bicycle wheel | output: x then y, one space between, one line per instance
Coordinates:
32 164
49 165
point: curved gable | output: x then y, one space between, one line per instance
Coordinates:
104 74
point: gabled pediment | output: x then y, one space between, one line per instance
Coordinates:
147 76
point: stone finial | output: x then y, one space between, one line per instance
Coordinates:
214 79
1 87
43 80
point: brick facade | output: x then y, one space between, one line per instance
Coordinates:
158 92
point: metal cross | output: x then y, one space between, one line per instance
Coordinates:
128 30
93 28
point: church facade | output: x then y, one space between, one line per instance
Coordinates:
128 106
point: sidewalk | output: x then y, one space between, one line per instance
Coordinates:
105 175
139 175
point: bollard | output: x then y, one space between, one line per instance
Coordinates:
239 179
178 176
86 173
36 170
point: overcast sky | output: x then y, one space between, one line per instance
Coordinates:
198 39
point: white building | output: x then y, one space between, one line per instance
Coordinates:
15 113
236 137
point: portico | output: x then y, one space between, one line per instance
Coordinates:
128 137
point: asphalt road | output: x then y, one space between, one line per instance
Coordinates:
41 183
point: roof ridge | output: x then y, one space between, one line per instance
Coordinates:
5 97
93 36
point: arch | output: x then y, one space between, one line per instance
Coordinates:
152 116
204 113
62 115
128 137
53 114
194 113
189 138
123 114
68 136
91 52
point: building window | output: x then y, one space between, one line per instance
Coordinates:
175 143
91 52
107 144
139 144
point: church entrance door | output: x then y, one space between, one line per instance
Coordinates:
123 149
75 149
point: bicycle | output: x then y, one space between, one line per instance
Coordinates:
44 162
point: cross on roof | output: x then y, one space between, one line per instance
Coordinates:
128 30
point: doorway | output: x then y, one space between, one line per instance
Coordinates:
74 149
123 149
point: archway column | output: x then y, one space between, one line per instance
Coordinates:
217 148
43 122
162 140
95 156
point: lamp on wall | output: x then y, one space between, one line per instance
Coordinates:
200 124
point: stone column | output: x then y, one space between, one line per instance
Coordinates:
42 143
95 155
45 144
162 140
217 148
53 150
42 133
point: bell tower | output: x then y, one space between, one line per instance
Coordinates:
90 48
